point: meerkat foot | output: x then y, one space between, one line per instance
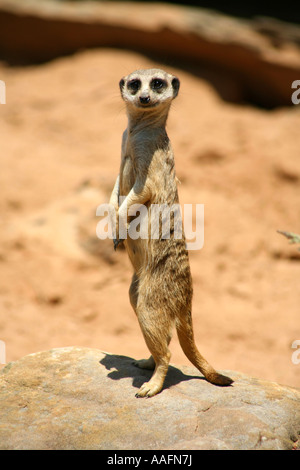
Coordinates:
155 384
148 364
149 389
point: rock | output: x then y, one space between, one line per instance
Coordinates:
262 55
80 398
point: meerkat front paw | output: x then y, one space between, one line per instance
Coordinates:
121 231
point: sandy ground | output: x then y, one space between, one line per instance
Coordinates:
60 285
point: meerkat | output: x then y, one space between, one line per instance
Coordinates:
161 288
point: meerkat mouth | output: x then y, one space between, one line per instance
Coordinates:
147 105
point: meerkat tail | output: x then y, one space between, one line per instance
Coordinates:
186 338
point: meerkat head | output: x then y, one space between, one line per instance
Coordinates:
149 89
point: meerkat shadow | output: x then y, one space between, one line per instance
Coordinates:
121 367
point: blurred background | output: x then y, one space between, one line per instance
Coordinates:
235 134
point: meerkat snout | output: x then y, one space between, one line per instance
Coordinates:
144 99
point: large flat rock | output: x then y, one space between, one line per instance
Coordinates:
263 56
80 398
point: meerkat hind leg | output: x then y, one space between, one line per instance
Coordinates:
148 364
157 340
155 384
133 296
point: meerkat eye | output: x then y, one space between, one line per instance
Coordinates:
134 85
157 84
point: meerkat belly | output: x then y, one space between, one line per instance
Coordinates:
133 243
137 252
139 237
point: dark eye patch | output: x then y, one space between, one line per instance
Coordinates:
158 84
134 85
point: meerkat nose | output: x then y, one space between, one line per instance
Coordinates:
144 99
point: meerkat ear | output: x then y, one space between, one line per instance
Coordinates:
175 85
121 84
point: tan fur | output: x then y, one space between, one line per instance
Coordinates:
161 288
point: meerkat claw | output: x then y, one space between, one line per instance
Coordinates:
116 243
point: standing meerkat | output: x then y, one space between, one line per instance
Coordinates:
161 288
